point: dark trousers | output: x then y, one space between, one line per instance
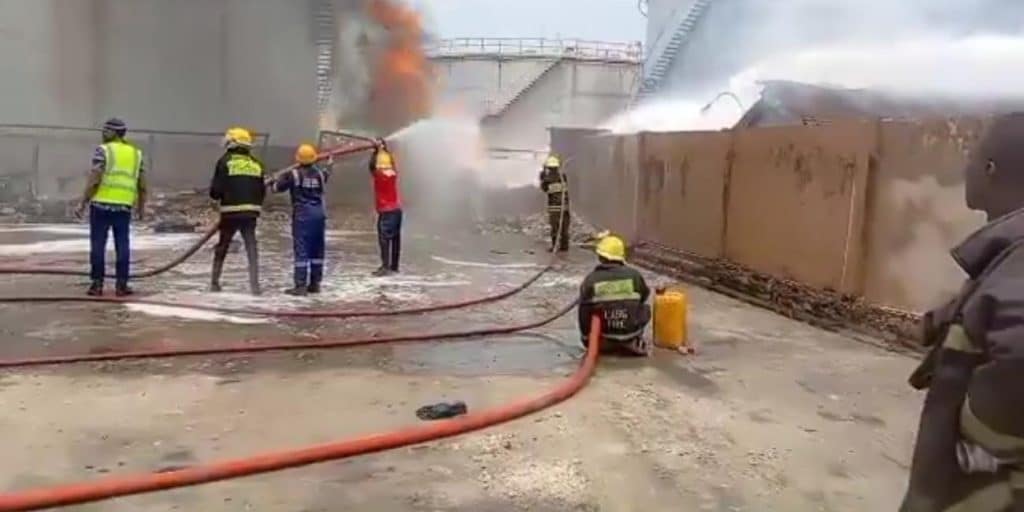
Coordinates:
389 235
308 241
102 221
229 225
559 226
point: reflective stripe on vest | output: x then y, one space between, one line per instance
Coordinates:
243 165
240 208
611 291
120 182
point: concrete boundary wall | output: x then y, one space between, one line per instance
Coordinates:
863 207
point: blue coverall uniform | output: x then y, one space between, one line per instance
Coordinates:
306 183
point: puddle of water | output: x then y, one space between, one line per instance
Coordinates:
57 229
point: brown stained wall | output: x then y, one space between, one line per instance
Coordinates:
682 190
917 212
869 208
796 198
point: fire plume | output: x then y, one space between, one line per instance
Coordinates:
401 89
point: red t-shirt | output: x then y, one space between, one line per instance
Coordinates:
385 190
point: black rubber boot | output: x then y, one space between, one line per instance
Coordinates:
313 288
124 291
95 289
218 269
381 271
297 291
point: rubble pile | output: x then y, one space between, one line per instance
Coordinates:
824 308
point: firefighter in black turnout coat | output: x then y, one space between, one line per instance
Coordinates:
969 453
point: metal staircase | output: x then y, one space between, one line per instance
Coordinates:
325 34
512 94
664 51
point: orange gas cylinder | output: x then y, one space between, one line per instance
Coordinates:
670 319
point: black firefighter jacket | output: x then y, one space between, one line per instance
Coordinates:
974 372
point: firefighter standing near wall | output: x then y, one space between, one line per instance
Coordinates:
306 184
114 187
969 453
388 206
239 188
618 293
553 182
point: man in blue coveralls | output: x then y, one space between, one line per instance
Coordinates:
306 183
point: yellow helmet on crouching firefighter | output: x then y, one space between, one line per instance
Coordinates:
611 247
384 160
306 154
237 137
552 162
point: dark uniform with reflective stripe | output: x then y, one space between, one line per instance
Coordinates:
238 185
619 293
556 186
969 453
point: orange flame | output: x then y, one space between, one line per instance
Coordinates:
402 76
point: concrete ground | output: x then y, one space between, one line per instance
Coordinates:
770 415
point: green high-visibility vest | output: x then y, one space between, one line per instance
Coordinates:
120 183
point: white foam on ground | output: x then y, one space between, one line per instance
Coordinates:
334 234
138 243
479 264
57 229
193 314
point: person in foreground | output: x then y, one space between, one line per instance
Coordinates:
969 452
306 183
619 294
239 188
114 187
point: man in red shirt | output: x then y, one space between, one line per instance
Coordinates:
389 208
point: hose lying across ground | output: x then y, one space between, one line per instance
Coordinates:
103 489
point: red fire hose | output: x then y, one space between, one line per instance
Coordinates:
103 489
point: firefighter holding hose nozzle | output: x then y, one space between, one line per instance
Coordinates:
306 183
969 453
114 187
389 208
618 293
554 184
239 188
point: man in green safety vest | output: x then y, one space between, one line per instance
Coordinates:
115 186
238 185
618 293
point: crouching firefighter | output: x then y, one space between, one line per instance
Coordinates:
969 453
306 183
618 293
239 187
555 186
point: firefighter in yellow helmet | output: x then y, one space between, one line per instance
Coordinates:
306 182
618 293
238 185
554 184
388 203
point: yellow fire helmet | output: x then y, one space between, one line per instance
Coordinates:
384 160
237 136
306 154
553 162
611 248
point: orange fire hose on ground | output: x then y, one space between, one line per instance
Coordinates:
103 489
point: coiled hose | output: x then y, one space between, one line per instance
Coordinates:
107 488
